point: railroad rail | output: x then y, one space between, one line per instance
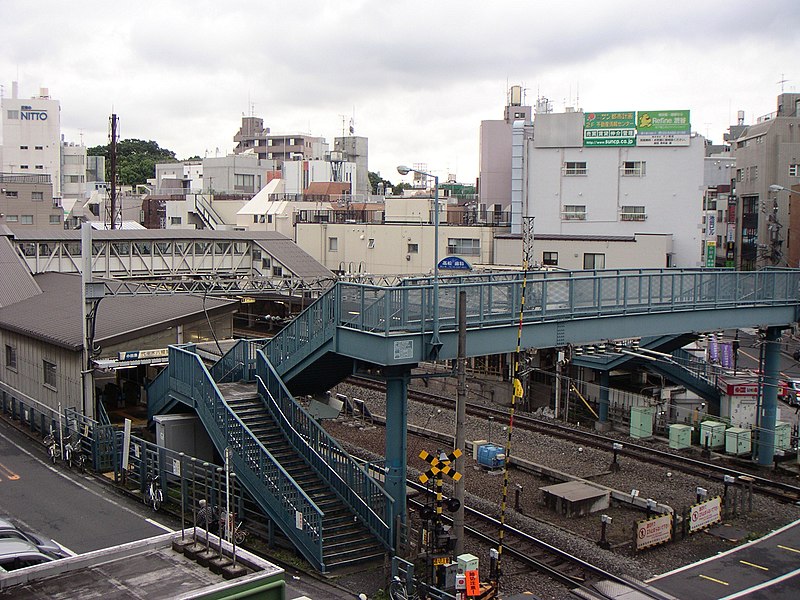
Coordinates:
782 491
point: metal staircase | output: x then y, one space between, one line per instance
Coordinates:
325 502
345 539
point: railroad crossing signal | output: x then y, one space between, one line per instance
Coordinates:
439 465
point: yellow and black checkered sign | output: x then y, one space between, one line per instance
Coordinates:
439 466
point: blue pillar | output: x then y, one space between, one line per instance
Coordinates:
769 397
603 404
396 438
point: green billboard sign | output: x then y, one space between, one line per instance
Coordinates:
609 129
663 128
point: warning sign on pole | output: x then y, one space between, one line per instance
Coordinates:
704 514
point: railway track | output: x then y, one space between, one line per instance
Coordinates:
784 492
555 563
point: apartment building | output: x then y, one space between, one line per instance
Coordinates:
26 201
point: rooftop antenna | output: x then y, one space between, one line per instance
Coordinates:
783 81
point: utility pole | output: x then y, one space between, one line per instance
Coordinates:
113 158
461 417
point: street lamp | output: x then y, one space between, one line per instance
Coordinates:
436 344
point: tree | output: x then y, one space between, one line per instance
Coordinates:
375 179
136 160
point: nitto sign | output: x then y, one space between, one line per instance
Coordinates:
26 113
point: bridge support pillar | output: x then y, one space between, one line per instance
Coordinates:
769 397
602 424
396 439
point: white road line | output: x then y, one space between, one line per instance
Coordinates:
160 526
65 476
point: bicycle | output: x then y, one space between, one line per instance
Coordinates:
239 534
397 590
154 496
53 448
73 455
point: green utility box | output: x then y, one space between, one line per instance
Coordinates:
738 441
642 421
783 435
680 436
712 434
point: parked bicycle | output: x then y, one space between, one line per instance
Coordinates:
53 447
74 456
239 533
153 494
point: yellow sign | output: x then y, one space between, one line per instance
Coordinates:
441 560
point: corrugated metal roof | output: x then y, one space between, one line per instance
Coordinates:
17 283
577 238
35 235
297 260
55 315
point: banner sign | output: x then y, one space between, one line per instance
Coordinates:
652 532
609 129
705 514
663 128
643 128
711 254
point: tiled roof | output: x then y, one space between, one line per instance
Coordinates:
16 281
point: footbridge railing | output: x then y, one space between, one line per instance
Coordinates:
345 476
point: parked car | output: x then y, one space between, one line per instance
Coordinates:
18 553
10 531
792 394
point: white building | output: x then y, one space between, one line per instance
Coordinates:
32 136
73 174
605 174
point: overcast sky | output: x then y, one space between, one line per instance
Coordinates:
418 77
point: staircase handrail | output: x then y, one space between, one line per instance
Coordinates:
310 330
257 465
348 478
700 368
157 393
239 362
207 212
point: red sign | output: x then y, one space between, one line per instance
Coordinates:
473 583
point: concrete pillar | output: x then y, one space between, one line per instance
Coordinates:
603 404
396 438
769 397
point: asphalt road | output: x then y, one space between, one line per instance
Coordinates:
75 510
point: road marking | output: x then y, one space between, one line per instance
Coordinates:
10 475
159 525
789 549
714 580
761 586
749 564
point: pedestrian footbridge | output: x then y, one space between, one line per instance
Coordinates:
310 487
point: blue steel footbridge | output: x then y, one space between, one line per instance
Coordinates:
305 481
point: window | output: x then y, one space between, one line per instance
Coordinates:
594 261
413 248
23 167
13 114
752 173
73 159
76 179
23 147
11 357
574 212
277 271
794 170
572 169
371 243
38 148
12 193
244 183
464 246
12 218
266 263
37 196
174 220
634 168
550 258
739 174
49 374
333 244
54 219
40 167
633 213
26 219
